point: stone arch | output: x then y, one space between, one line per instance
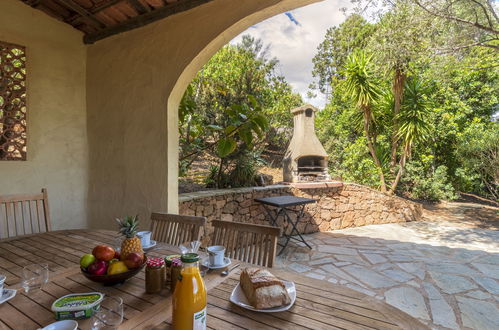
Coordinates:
135 81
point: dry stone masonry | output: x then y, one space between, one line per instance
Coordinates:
340 205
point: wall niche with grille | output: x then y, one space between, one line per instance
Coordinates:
12 102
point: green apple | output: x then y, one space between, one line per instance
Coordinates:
87 260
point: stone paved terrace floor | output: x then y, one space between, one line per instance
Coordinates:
441 272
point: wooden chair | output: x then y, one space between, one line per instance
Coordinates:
24 214
250 243
176 229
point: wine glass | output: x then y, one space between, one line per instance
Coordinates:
34 277
109 315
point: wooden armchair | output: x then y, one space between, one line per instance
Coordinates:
250 243
176 229
24 214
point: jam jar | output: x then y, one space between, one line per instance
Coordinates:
155 275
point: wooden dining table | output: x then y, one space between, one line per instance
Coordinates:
319 304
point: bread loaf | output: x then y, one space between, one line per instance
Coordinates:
262 289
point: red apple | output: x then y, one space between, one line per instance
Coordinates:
117 254
98 268
134 260
103 252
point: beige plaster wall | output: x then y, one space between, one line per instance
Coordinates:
134 84
57 137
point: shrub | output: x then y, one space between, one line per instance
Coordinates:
421 181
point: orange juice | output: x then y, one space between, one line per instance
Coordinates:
189 297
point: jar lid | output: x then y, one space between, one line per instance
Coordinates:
155 262
190 257
169 259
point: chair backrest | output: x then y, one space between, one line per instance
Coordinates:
250 243
176 229
24 214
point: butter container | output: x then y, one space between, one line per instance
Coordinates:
77 306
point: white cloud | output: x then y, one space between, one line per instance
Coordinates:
294 45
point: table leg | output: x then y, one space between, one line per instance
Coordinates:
294 229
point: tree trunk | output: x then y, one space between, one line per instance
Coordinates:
219 174
398 96
400 171
372 150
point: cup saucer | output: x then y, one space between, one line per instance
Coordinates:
151 245
7 294
227 262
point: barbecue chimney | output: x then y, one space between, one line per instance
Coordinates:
305 159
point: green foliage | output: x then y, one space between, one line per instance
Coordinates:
442 133
422 181
413 119
339 42
360 82
478 149
231 107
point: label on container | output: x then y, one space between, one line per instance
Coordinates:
199 320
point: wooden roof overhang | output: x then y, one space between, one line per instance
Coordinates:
99 19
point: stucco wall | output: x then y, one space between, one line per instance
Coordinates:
57 138
339 205
134 84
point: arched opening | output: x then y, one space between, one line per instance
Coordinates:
190 71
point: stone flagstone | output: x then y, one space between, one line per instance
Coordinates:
336 250
371 278
488 269
415 269
409 300
333 270
398 275
452 283
374 258
478 314
479 295
443 286
322 261
489 284
441 312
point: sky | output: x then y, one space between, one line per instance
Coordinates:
294 37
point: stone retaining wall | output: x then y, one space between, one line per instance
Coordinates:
340 205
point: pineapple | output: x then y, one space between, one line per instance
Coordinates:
128 228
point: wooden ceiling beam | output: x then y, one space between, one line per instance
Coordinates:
95 10
139 7
144 19
82 11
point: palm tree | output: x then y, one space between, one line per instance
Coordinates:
363 88
413 122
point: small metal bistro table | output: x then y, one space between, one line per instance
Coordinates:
283 205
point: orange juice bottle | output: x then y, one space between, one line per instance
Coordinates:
189 297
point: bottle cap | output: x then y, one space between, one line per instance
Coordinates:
190 257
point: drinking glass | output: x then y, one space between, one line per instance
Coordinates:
34 277
109 315
2 279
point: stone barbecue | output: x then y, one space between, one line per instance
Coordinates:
305 159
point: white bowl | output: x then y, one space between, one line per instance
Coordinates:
62 325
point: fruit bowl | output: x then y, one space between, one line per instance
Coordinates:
115 278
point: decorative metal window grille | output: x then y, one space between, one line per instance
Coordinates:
12 102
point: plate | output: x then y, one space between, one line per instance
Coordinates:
239 298
227 262
151 245
7 294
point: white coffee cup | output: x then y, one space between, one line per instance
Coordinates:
2 279
145 237
217 255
